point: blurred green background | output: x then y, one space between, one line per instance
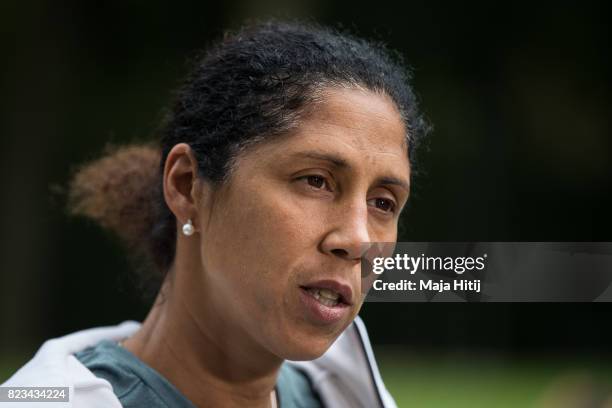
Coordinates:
519 94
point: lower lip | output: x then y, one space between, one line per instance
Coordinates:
321 313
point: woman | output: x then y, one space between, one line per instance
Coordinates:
286 153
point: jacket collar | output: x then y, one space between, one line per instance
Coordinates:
345 376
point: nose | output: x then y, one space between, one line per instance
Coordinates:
348 237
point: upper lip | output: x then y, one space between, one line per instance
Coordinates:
344 290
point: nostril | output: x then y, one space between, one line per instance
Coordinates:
340 252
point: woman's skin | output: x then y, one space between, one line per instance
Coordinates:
296 210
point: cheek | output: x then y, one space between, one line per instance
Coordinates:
253 245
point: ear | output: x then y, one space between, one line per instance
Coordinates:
180 183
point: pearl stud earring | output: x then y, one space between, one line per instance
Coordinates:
188 228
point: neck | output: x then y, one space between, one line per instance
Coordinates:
211 361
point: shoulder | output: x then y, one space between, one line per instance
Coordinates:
54 365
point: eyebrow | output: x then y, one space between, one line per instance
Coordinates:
332 158
393 181
343 164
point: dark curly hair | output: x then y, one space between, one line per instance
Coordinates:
253 85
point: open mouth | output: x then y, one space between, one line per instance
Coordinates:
329 292
326 301
326 297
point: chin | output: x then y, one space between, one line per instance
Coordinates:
306 347
305 353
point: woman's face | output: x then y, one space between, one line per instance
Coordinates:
281 242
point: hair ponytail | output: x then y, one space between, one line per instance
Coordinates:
118 190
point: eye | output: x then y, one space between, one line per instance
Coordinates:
384 204
316 181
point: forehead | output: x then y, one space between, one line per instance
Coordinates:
361 126
366 118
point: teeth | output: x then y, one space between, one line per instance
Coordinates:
329 294
325 296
